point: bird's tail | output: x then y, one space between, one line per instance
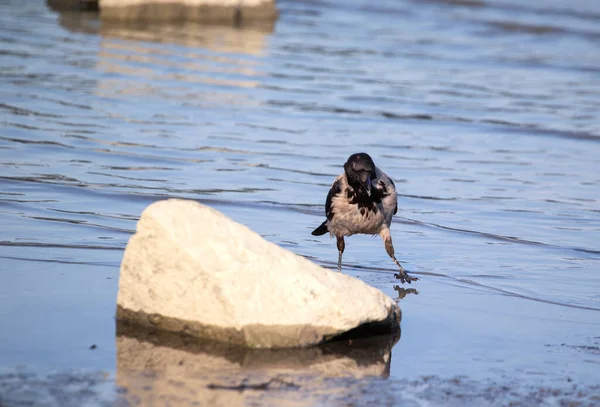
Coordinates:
321 230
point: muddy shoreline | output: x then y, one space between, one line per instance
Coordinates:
20 388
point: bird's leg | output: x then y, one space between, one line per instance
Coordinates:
389 248
341 245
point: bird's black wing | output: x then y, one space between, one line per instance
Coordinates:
336 188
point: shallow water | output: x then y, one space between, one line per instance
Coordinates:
486 114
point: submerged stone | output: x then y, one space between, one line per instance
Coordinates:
192 270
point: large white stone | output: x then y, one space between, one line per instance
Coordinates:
191 269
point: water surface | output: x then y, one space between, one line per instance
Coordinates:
486 114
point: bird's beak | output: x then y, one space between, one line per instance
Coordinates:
368 186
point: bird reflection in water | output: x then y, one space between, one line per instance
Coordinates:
403 292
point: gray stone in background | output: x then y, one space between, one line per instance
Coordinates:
221 11
73 5
238 12
190 269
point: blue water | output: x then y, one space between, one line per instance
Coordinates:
486 114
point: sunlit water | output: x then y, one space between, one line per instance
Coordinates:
486 114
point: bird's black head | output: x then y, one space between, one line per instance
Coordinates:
360 170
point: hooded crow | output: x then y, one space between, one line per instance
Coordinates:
362 200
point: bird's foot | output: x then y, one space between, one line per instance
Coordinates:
404 277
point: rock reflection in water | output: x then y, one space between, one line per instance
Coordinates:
139 63
156 365
140 58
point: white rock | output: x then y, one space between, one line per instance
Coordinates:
190 269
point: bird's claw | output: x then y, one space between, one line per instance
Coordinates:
404 277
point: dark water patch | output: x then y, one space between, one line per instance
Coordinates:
76 125
85 223
139 168
271 128
526 28
50 261
322 69
120 216
24 141
28 200
297 171
28 127
521 210
390 115
574 135
590 251
60 246
67 103
501 122
45 178
431 198
466 3
493 162
461 180
127 178
313 107
291 90
21 111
